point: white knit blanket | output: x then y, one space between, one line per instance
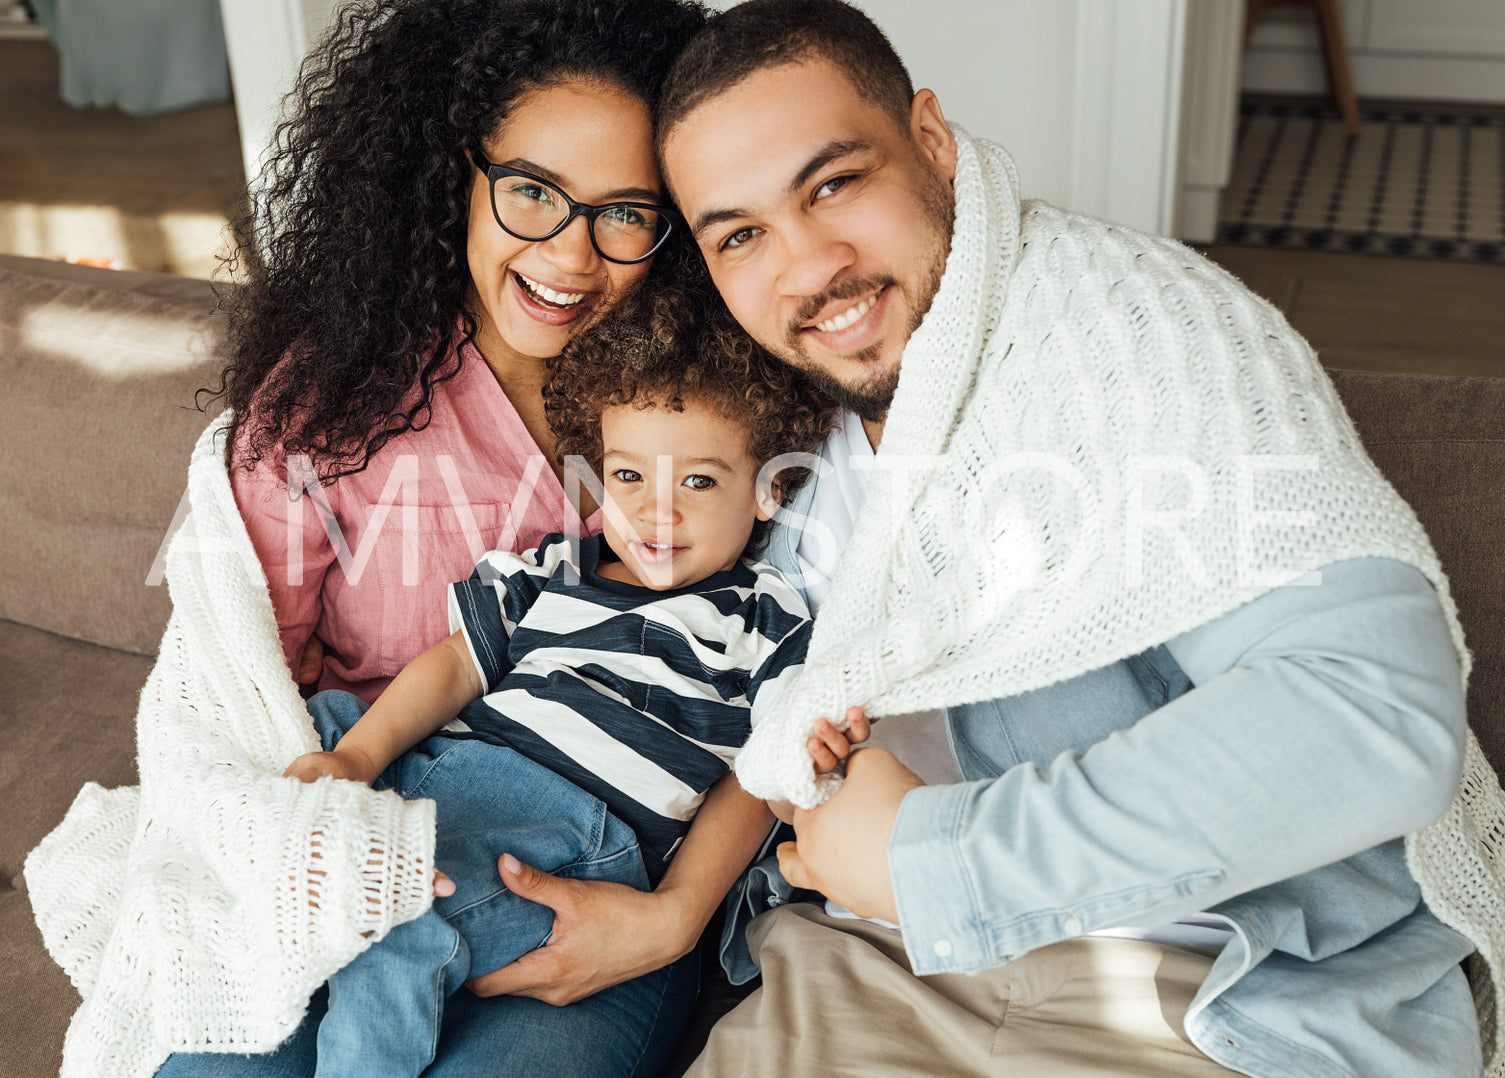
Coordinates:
201 910
1101 440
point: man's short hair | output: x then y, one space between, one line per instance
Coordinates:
761 34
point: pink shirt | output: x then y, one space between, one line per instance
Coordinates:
365 562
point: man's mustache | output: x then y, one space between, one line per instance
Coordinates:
849 289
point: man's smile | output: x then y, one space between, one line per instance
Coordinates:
848 324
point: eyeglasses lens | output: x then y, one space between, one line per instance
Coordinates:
532 209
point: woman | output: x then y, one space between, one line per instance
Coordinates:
389 357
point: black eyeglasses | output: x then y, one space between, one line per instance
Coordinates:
532 208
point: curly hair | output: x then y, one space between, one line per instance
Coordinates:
354 243
669 342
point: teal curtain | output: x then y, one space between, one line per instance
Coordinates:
145 56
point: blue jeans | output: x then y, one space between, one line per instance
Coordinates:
387 1012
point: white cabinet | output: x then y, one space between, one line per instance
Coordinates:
1440 50
1463 27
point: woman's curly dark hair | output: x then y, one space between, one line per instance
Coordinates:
354 243
667 342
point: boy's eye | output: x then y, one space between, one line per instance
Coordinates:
699 482
626 475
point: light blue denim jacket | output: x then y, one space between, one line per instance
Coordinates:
1262 769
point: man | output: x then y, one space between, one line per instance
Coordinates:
1085 484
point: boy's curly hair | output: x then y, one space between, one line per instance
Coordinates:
354 245
669 342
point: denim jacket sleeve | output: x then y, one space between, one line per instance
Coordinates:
1325 720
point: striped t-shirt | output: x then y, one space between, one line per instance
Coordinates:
640 697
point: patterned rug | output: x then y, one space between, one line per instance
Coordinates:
1423 181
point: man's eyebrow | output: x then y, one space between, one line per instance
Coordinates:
621 194
706 221
831 151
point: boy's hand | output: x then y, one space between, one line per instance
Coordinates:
338 765
830 746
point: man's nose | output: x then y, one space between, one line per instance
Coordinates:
812 259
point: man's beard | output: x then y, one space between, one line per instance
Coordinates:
873 394
869 398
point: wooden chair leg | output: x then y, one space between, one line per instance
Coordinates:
1335 50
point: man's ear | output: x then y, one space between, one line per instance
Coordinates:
769 499
931 133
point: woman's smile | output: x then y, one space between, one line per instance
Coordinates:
552 307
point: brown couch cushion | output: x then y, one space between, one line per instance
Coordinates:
97 419
1441 442
67 716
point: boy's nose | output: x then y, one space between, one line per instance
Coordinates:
657 508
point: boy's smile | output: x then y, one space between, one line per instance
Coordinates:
681 497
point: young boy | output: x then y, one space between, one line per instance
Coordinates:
602 685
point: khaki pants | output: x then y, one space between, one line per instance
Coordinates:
838 998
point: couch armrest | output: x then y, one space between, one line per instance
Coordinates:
1440 440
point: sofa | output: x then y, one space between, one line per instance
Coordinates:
99 371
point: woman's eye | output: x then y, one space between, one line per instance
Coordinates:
534 192
625 217
739 237
699 482
626 475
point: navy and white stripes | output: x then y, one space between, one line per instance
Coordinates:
640 697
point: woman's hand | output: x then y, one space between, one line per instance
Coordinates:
604 934
311 662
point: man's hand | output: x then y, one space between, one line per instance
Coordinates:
604 934
338 764
841 848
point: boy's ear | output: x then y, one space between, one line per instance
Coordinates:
769 499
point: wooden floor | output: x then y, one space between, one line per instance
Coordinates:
1369 312
140 193
155 194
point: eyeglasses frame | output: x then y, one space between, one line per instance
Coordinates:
494 172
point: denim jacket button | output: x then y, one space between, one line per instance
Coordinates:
1072 925
943 948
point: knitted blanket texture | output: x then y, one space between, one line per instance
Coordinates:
201 910
1101 440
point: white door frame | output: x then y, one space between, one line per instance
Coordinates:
1126 129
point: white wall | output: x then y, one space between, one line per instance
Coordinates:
267 40
1003 69
1086 94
